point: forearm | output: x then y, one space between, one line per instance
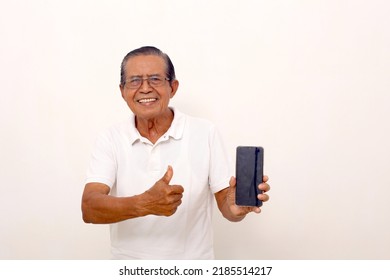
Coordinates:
105 209
99 207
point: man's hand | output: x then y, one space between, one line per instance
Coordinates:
99 207
243 210
226 200
163 199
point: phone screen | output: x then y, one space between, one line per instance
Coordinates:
249 174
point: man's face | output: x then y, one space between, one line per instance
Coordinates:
147 101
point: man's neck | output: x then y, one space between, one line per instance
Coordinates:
154 128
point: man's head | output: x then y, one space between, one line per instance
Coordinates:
148 82
148 50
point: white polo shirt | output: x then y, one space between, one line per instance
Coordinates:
130 164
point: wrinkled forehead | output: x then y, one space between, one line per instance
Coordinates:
142 65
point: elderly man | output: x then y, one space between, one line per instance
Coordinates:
153 177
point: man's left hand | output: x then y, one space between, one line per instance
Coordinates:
226 200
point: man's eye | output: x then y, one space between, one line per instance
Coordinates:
155 79
135 81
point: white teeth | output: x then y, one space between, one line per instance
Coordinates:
147 100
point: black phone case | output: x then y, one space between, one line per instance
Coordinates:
249 174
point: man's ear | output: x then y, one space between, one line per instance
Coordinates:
122 89
174 87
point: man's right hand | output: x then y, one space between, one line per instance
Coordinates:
99 207
163 199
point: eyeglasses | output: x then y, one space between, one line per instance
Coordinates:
153 81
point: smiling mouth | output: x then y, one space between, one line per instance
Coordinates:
147 100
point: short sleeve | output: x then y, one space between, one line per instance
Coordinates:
220 163
102 166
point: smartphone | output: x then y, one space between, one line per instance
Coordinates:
249 174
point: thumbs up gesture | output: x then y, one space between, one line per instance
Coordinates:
163 199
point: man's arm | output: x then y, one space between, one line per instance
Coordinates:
226 201
99 207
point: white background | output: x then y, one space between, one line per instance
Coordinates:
307 80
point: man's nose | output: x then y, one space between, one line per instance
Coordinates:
145 87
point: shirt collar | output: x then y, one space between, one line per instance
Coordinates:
175 131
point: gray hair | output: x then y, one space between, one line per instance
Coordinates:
148 50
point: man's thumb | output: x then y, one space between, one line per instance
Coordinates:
168 175
232 182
